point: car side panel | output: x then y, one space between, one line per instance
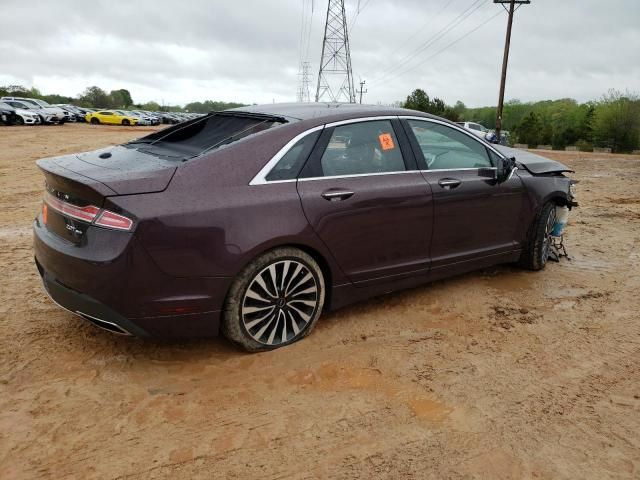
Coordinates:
217 233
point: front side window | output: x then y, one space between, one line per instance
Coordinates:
445 148
361 148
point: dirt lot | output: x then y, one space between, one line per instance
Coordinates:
498 374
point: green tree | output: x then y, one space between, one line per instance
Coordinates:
121 98
617 122
95 97
529 130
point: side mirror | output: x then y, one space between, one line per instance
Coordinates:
506 169
488 172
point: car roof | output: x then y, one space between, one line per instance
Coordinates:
322 111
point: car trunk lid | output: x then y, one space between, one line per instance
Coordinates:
77 185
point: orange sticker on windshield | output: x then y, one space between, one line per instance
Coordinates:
386 141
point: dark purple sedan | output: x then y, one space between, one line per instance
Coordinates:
255 220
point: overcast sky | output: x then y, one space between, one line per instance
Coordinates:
249 50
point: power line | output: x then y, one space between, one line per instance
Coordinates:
421 28
358 10
422 62
475 6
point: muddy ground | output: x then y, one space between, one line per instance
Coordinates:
497 374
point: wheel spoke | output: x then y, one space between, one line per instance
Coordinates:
264 328
249 310
256 296
305 317
253 323
285 270
284 326
295 274
312 289
304 280
306 302
294 324
263 284
273 276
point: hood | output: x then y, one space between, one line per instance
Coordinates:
54 110
535 164
22 111
124 170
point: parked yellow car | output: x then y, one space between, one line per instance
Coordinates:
111 117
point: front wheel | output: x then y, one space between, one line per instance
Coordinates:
95 121
538 245
125 122
276 300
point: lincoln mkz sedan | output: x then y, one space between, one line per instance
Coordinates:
254 221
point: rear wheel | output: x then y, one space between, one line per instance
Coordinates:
95 121
536 251
125 122
276 300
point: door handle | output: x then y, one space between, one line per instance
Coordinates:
449 183
335 195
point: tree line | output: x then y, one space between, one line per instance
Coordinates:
612 121
95 97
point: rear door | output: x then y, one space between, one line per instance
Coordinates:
474 216
362 193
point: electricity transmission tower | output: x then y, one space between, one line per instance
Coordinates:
335 78
505 58
305 81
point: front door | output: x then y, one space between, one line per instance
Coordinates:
364 197
474 215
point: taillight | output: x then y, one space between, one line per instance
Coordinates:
113 220
45 212
88 213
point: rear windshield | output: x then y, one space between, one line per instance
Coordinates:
195 137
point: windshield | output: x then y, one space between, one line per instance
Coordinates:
40 102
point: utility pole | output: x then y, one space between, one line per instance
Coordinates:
361 91
505 58
335 77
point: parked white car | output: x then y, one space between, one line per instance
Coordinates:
29 114
48 113
475 128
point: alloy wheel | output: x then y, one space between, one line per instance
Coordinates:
280 302
548 229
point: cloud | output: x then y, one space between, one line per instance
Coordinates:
249 50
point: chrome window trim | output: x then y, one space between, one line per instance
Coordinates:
458 169
356 175
260 177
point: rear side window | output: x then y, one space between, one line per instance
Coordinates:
445 148
361 148
292 162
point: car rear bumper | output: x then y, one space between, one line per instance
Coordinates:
123 291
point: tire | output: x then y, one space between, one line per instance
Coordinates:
95 121
125 122
19 121
536 251
263 314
